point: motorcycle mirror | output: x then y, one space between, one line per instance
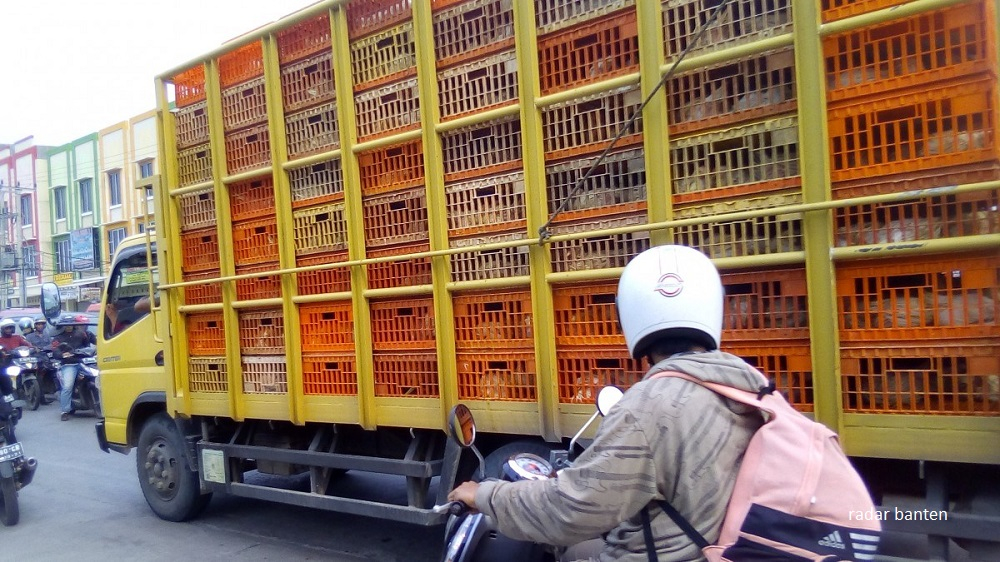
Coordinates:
607 398
461 425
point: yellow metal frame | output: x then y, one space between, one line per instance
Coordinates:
547 417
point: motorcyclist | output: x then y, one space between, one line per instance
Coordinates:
8 339
7 393
26 326
667 439
38 337
71 337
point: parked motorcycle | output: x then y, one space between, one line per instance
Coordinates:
23 371
473 537
86 389
16 470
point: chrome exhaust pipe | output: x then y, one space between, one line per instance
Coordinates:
27 471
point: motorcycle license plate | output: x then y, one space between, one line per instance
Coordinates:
11 452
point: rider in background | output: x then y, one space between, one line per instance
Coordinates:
72 336
8 339
38 337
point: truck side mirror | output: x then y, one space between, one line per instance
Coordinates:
51 302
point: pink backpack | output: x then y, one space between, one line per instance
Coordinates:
797 496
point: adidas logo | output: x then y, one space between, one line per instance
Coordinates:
833 540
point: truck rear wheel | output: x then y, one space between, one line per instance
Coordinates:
170 486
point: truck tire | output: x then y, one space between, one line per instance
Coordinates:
9 512
169 485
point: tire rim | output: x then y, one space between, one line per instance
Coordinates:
162 469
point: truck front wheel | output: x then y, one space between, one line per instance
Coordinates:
170 486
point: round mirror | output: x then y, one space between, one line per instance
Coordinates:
607 398
461 425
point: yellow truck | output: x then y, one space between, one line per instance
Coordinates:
369 211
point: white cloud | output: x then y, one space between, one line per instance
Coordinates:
72 68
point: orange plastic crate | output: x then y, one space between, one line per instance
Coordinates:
553 15
585 371
744 160
395 218
769 234
383 57
955 42
264 375
197 210
840 9
589 52
966 214
769 304
482 149
194 165
189 86
399 273
507 376
489 264
304 38
788 364
741 22
412 374
327 326
208 374
312 130
496 320
191 125
616 185
597 252
388 109
262 332
585 315
251 199
244 105
391 168
248 148
925 298
909 378
333 280
725 93
200 250
589 123
255 241
471 29
308 82
320 229
206 293
332 374
322 182
265 287
486 205
912 130
479 85
402 324
367 16
205 334
241 64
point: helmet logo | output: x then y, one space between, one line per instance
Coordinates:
670 285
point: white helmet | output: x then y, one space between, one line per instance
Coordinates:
672 288
8 323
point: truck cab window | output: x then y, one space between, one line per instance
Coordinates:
128 297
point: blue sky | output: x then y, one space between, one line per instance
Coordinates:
72 67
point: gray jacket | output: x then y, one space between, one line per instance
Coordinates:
667 439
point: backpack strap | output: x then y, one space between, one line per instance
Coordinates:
747 397
647 533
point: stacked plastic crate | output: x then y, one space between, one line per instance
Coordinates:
393 194
912 104
477 71
580 44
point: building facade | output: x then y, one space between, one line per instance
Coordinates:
24 223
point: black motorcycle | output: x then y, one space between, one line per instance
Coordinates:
23 369
86 389
16 470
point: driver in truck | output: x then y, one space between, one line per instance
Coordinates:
667 439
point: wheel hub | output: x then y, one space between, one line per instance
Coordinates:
162 469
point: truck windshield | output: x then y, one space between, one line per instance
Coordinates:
128 296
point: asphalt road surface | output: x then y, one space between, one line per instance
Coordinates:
86 505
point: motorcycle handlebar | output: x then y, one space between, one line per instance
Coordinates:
455 508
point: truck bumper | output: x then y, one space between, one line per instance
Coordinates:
102 441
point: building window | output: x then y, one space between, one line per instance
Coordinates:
60 197
145 169
114 188
142 227
64 256
29 257
86 196
27 210
115 237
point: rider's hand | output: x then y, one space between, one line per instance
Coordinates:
465 493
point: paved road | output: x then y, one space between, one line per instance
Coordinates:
86 505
